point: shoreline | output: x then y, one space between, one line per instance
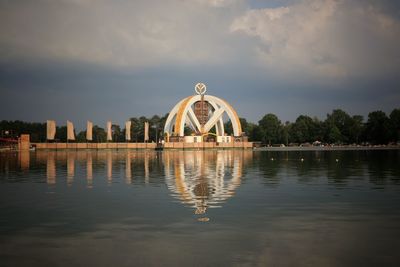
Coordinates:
334 148
268 149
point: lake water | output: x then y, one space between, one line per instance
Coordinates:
195 208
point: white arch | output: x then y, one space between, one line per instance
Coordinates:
170 122
183 114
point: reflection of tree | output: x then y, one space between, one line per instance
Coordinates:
383 164
310 166
269 164
7 163
339 166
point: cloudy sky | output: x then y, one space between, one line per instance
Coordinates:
111 60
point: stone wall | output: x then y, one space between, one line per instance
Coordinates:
94 145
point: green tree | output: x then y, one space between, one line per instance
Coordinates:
337 126
81 137
305 129
156 127
301 131
117 133
271 128
253 131
61 134
14 129
228 127
99 134
356 129
246 127
333 134
395 125
138 128
161 125
285 132
377 128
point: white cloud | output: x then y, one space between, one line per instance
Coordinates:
327 37
123 33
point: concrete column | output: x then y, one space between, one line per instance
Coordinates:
24 142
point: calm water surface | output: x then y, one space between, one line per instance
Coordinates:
194 208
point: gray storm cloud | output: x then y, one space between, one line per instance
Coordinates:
339 53
324 37
333 38
122 33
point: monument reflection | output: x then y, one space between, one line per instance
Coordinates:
199 179
204 179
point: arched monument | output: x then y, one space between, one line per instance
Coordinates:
201 113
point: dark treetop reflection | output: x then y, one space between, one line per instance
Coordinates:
63 208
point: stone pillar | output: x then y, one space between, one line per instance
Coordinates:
24 142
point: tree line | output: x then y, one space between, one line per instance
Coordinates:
338 128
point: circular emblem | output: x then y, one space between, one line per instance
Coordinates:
200 88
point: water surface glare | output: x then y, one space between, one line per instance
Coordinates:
200 208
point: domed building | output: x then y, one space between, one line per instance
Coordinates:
201 118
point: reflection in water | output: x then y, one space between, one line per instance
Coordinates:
204 180
339 167
146 167
128 166
102 162
89 169
51 168
337 205
70 167
109 166
24 158
200 179
200 175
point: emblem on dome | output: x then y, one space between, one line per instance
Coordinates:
200 88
